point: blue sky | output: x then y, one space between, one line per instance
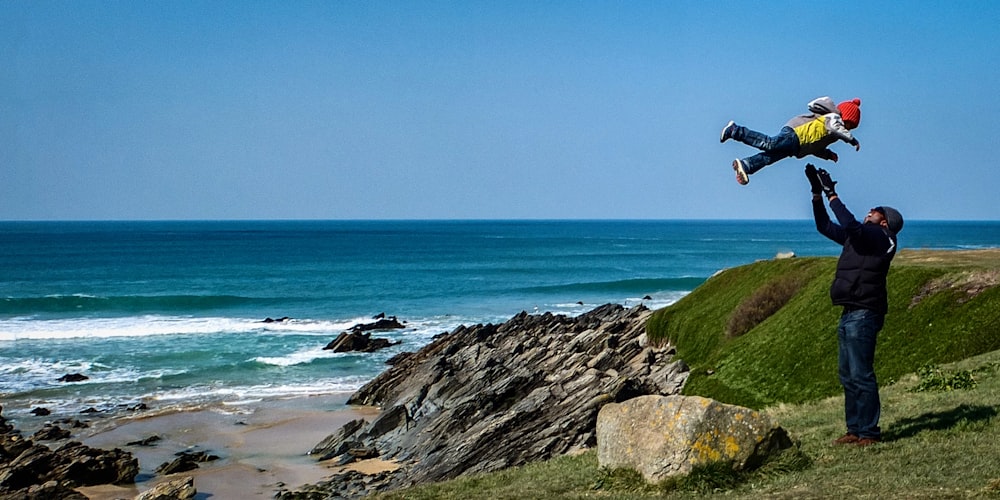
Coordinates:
485 110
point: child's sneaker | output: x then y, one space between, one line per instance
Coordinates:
741 174
727 131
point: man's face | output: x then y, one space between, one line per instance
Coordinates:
875 216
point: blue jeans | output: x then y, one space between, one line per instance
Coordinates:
856 336
783 145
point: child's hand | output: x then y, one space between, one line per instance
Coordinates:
857 145
834 157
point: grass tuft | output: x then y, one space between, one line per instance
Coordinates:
761 304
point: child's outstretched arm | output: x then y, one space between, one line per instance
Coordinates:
835 124
826 154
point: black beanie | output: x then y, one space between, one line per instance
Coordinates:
893 218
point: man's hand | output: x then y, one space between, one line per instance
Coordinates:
857 145
813 176
834 157
826 183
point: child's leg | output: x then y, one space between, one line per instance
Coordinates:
761 141
753 164
783 145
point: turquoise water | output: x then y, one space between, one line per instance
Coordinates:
171 312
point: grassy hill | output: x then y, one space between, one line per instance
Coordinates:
940 423
944 306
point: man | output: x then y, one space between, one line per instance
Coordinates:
858 286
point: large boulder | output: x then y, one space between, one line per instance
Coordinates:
664 436
486 397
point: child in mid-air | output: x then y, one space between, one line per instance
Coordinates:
807 134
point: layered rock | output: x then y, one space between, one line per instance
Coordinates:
29 470
360 342
487 397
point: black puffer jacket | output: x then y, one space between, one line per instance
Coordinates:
864 262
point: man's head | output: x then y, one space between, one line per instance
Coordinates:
887 217
850 112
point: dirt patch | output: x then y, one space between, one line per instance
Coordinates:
967 283
979 258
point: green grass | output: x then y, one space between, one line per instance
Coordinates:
938 363
790 357
938 444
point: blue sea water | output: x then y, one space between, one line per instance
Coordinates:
171 313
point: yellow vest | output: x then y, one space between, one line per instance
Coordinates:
811 131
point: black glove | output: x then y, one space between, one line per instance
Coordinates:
826 183
813 177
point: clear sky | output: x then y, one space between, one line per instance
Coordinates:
486 110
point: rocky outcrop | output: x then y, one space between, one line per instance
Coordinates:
29 470
357 342
487 397
356 339
382 323
185 461
664 436
177 489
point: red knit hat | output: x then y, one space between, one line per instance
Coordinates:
850 111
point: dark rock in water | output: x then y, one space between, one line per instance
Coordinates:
647 297
379 316
390 323
40 412
90 410
357 342
180 464
74 423
487 397
73 377
51 433
137 407
282 319
186 461
150 441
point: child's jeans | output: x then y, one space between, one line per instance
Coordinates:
783 145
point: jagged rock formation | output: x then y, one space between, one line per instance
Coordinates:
177 489
487 397
356 341
29 470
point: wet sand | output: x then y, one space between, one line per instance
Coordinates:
262 445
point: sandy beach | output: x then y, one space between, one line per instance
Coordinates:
262 445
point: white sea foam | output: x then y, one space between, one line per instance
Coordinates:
150 325
302 357
22 375
243 394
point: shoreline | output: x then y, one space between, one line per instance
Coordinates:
263 446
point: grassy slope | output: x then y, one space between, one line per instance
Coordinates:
791 356
937 444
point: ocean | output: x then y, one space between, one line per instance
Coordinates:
173 313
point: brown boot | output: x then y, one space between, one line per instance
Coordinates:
846 439
861 443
